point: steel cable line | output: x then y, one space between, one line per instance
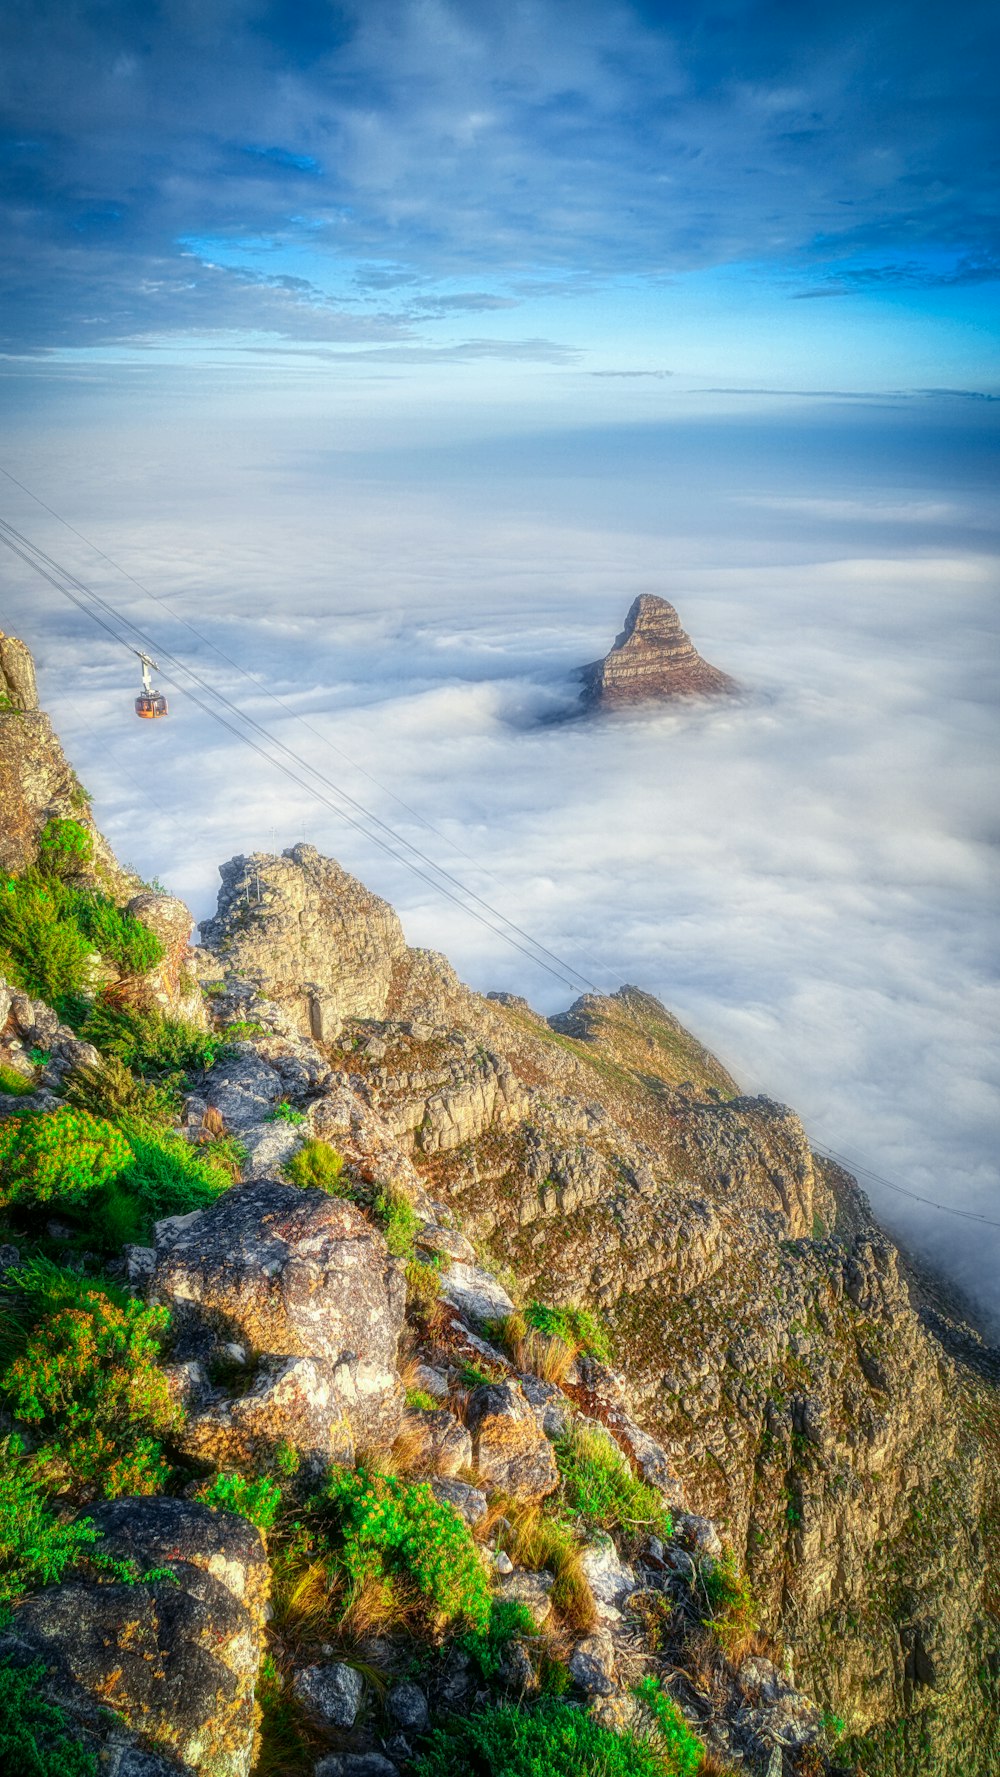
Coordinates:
295 715
35 557
561 971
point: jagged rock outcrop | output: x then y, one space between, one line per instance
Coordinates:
652 659
309 934
300 1284
165 1665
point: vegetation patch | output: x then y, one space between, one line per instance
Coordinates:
65 845
35 1545
65 1154
399 1220
285 1113
149 1042
550 1740
87 1376
317 1166
735 1614
14 1084
576 1327
387 1527
682 1750
600 1485
258 1499
36 1739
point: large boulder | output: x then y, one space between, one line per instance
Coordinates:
174 1657
510 1450
304 1285
309 933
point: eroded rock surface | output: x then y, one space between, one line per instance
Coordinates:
653 658
174 1658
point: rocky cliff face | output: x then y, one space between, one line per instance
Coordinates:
652 659
751 1351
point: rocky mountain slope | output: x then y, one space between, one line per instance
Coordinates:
652 659
396 1380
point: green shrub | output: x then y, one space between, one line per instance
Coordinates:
419 1401
65 1154
682 1750
15 1085
284 1112
423 1284
87 1376
319 1167
550 1740
259 1499
107 1088
125 941
242 1029
41 951
399 1220
35 1546
65 845
164 1177
600 1485
577 1327
508 1617
388 1526
735 1612
149 1041
36 1739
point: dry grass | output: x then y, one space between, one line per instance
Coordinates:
305 1602
213 1123
540 1542
538 1354
377 1606
411 1453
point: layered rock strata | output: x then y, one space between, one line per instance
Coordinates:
652 659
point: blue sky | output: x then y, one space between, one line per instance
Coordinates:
399 345
729 193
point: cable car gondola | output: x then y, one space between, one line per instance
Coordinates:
150 703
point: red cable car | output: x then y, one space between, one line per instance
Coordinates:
150 703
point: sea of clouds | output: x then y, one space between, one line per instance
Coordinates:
806 876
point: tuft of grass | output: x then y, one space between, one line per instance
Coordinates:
287 1744
735 1614
600 1485
539 1354
388 1528
578 1328
399 1220
419 1401
36 1739
317 1166
284 1112
423 1285
540 1540
14 1084
682 1750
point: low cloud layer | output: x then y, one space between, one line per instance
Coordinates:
807 877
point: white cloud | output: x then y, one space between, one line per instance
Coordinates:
807 876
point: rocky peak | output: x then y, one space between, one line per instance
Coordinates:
652 658
309 933
18 689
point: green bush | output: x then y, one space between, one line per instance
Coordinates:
508 1617
87 1376
35 1546
319 1167
399 1220
41 951
14 1084
600 1485
65 1154
149 1041
550 1740
388 1526
259 1499
164 1177
107 1088
682 1750
125 941
36 1739
284 1112
735 1613
64 846
577 1327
